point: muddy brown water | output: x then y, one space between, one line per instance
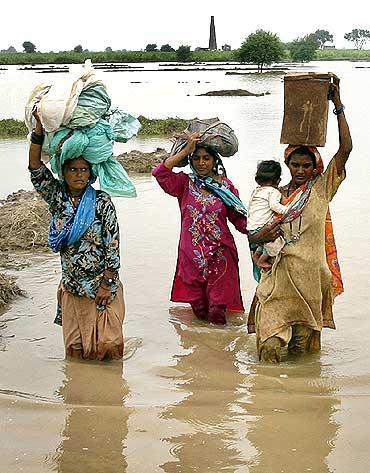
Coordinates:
189 397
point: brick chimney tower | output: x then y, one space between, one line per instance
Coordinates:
212 35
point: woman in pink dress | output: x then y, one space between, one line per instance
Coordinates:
207 273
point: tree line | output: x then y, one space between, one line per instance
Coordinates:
260 47
315 40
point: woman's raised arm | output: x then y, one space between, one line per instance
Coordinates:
345 140
172 161
37 138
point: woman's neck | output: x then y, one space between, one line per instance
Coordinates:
75 192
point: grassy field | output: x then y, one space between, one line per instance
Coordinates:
10 128
70 57
343 55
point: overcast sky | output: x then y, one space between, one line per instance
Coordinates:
120 24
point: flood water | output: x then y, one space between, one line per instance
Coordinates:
189 397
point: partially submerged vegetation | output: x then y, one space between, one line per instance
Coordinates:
8 290
161 126
11 128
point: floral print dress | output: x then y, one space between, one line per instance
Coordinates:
84 262
207 262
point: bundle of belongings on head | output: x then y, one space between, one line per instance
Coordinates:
80 122
214 134
219 138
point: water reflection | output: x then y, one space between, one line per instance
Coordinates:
95 431
213 424
294 406
240 416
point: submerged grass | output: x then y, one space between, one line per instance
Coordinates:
161 126
10 128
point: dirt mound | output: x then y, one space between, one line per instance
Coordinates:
230 93
24 222
8 290
136 161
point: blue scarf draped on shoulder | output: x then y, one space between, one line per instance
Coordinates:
220 190
76 225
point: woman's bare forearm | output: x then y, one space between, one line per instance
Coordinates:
176 159
35 149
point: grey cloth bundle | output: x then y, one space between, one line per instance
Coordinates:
214 134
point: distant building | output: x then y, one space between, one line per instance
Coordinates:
11 49
226 47
212 35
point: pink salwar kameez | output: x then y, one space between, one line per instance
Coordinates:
207 273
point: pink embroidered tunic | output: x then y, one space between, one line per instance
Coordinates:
207 261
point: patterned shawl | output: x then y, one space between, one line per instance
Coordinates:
219 189
301 195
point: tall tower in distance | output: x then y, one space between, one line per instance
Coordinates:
212 35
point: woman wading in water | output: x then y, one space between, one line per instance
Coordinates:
84 229
207 273
294 299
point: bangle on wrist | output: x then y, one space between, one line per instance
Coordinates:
339 110
107 281
37 139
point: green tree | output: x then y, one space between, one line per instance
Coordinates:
183 54
29 47
166 48
358 37
151 47
78 49
261 48
303 49
322 37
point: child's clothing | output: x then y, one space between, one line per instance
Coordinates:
263 205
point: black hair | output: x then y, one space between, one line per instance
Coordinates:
218 166
303 151
268 172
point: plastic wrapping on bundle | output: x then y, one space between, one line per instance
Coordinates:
213 133
95 145
93 103
83 106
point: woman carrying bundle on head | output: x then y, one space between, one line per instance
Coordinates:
207 273
294 298
84 230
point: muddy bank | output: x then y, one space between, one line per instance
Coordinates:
24 222
265 72
232 93
8 290
137 162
